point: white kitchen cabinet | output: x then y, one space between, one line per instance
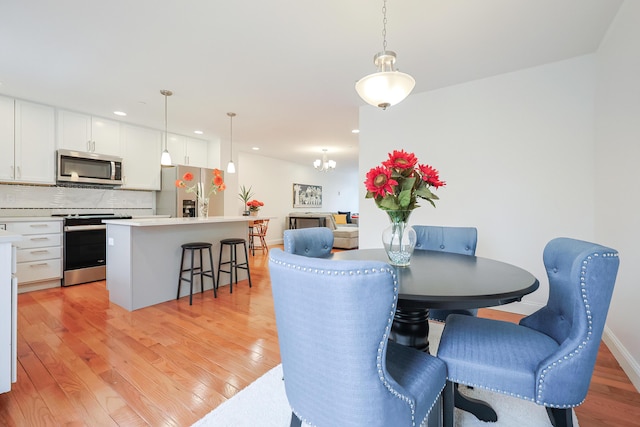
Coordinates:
8 312
141 160
187 151
82 132
28 157
6 138
39 255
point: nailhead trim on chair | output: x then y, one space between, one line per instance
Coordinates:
582 345
385 336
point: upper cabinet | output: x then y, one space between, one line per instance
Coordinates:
187 151
82 132
27 142
141 159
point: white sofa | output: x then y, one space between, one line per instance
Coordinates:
345 236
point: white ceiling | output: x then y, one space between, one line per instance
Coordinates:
287 68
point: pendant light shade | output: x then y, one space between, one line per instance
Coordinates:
388 86
231 168
165 159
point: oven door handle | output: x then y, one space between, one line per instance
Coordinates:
69 228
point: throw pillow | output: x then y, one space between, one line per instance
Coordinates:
348 215
340 219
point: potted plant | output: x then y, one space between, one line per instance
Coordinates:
244 195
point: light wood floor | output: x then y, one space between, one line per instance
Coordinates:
84 361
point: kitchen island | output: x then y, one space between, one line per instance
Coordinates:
143 256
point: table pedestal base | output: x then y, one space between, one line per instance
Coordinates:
411 328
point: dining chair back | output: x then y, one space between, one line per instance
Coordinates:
547 358
458 240
315 242
333 320
258 230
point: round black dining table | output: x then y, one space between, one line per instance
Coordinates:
447 281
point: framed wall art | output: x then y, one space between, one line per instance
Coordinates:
307 196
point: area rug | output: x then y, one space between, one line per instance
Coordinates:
264 404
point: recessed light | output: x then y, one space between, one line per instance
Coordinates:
355 131
120 113
255 148
198 132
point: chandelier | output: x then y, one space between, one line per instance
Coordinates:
324 165
388 86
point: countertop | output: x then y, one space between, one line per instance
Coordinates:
30 219
155 222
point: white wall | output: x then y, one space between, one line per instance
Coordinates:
272 183
617 182
516 151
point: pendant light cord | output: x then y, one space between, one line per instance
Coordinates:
384 25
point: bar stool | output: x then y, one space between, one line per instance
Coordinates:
234 265
192 247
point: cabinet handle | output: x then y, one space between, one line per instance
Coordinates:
42 264
38 239
42 251
19 173
38 225
13 172
89 145
93 146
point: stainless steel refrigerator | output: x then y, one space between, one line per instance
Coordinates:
177 202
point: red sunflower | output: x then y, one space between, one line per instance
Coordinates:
401 160
431 176
379 181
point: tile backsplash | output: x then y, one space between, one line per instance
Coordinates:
39 201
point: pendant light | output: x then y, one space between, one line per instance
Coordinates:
231 168
324 165
388 86
165 159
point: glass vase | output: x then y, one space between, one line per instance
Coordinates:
203 207
399 238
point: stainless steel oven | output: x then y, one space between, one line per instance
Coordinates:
84 258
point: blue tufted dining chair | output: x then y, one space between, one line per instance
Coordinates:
457 240
549 357
333 320
315 242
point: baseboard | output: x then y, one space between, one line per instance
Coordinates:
628 364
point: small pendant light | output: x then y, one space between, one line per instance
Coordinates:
231 168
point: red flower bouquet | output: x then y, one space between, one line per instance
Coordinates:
397 184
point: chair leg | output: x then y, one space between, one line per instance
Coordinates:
560 417
246 258
180 274
191 282
435 415
295 421
213 277
201 273
448 404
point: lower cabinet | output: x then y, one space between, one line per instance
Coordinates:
39 255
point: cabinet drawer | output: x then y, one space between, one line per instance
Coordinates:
40 227
39 241
36 254
39 270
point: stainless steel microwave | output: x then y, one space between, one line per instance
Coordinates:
88 168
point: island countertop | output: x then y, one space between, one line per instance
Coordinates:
154 222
